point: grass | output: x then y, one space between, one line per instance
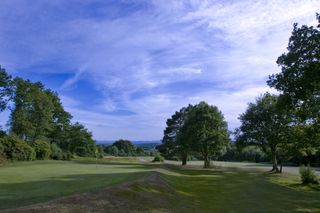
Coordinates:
33 182
239 191
172 189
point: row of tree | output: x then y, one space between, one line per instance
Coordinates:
284 126
124 148
37 116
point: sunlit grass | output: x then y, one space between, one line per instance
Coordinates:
180 189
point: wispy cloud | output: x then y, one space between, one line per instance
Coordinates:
149 58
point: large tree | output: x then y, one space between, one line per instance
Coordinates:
299 79
33 111
171 147
79 141
265 123
60 121
205 130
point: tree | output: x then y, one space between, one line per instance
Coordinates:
127 146
80 141
299 79
170 146
5 89
33 111
140 151
265 124
60 121
114 151
206 131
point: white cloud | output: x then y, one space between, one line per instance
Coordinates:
222 50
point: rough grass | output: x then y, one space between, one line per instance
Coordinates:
159 188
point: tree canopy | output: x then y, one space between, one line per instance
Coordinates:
265 124
299 79
37 117
199 130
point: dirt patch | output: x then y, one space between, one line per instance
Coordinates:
149 194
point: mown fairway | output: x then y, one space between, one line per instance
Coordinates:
161 188
32 182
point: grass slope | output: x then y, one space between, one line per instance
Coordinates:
156 188
32 182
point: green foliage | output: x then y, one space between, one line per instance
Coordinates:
5 89
16 149
197 130
114 151
56 152
265 124
38 114
140 152
299 82
100 152
299 78
170 148
308 175
42 149
2 155
80 141
125 147
249 153
205 131
33 110
67 155
158 157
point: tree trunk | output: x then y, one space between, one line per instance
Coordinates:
206 161
184 160
274 162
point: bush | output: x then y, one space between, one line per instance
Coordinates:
99 152
158 158
67 156
81 151
114 151
42 149
2 155
16 149
308 175
56 152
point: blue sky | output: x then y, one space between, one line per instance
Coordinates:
123 67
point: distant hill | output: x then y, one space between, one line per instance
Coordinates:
108 142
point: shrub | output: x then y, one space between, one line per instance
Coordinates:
42 149
99 152
67 156
308 175
114 151
56 152
81 151
158 158
16 149
2 155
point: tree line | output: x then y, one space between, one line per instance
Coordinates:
124 148
285 127
39 126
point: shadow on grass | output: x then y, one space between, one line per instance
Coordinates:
193 190
15 195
